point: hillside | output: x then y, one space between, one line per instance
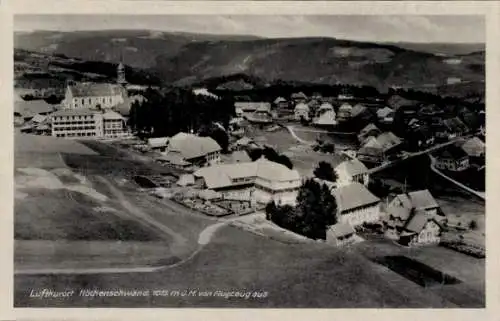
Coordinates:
184 59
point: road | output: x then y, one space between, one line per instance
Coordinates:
456 183
411 155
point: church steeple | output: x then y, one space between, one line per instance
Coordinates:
121 73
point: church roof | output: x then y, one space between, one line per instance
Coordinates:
95 90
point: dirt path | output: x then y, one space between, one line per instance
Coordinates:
178 239
204 238
297 138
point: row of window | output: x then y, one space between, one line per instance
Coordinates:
75 135
79 117
272 191
86 122
93 100
60 129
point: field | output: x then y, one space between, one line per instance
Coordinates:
88 206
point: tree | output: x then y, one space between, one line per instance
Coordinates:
317 208
325 171
473 225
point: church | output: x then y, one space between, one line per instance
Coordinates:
96 95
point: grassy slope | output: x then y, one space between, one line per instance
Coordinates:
294 276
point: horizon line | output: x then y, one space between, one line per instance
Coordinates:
245 35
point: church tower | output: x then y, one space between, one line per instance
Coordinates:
121 75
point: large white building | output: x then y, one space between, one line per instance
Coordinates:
84 122
188 150
93 95
260 181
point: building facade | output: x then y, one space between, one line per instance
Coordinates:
87 123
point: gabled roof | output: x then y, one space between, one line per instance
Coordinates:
327 118
417 221
383 112
326 106
38 118
451 152
455 125
252 106
357 110
473 146
341 230
422 199
280 100
367 129
217 176
353 196
112 115
388 140
352 167
345 107
191 146
299 95
301 106
158 142
32 107
94 90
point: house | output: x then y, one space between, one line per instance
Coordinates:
326 119
419 137
357 110
262 115
298 98
198 151
350 171
29 108
260 181
384 112
452 158
367 131
344 112
474 147
400 208
421 229
340 234
396 101
93 95
84 122
356 204
281 103
114 124
377 149
301 111
186 180
250 107
453 127
158 143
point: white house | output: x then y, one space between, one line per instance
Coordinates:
356 204
400 208
351 171
340 234
421 229
301 111
158 143
261 181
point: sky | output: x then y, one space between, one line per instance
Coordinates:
386 28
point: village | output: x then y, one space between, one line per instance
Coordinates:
276 146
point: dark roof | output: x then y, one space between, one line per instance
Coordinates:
453 152
455 125
353 196
95 90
